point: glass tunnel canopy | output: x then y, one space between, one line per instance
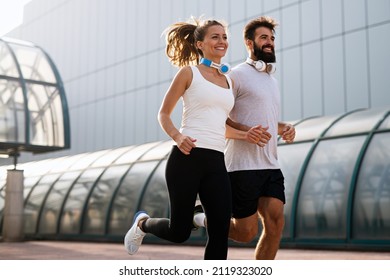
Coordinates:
337 184
33 108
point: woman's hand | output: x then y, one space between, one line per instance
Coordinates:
185 143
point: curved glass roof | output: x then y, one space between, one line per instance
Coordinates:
337 183
33 108
329 199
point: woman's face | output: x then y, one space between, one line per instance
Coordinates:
215 43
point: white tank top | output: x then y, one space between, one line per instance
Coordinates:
206 107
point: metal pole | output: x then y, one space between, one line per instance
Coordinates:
13 225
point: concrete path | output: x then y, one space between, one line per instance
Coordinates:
63 250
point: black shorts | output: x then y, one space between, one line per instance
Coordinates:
249 185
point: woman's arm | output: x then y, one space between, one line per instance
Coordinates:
177 88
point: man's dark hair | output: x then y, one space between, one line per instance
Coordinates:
263 21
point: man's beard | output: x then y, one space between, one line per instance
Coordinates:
264 56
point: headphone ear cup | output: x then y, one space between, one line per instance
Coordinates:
224 68
270 68
260 66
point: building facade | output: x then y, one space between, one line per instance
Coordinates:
332 58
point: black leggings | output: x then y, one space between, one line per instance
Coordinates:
202 172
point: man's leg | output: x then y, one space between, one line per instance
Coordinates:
241 230
244 229
272 216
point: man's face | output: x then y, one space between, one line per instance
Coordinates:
263 45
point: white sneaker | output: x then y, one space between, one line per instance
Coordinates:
135 235
199 217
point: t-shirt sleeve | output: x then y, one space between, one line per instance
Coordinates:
236 82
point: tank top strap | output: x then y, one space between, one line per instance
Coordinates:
229 80
196 75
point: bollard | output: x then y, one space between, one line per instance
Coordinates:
13 227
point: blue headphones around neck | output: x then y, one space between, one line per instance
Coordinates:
261 66
222 68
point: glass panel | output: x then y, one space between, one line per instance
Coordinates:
33 63
38 168
135 154
127 199
24 166
62 164
29 183
291 158
71 215
311 129
110 157
2 202
371 211
321 211
58 119
386 123
55 199
357 122
34 203
158 152
4 173
97 208
12 112
7 62
86 160
2 183
46 116
155 200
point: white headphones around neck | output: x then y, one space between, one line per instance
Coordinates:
261 66
222 68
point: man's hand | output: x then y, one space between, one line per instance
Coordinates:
258 135
288 133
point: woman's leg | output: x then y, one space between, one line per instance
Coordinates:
183 179
215 196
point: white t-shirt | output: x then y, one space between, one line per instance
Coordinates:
257 101
206 107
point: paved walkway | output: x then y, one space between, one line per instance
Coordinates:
63 250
